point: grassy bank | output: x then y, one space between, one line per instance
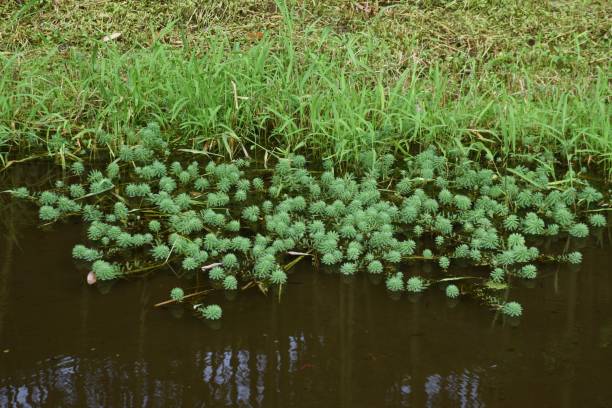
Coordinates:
333 80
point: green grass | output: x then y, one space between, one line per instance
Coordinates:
331 79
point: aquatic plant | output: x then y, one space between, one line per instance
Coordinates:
395 283
375 267
574 258
230 283
452 291
444 262
512 309
177 294
251 213
497 275
211 312
188 216
579 230
415 284
87 254
105 270
597 220
217 273
48 213
528 272
348 268
278 277
160 252
77 168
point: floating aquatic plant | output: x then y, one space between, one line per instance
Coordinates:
497 275
597 220
217 273
177 294
452 291
48 213
211 312
105 270
212 218
415 285
395 283
528 272
574 258
87 254
512 309
444 262
230 283
375 267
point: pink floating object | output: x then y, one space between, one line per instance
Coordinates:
91 278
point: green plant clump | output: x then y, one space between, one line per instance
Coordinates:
452 291
177 294
149 212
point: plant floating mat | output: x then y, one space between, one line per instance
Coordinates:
146 212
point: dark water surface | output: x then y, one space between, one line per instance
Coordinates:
328 343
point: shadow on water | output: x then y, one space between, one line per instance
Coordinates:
328 343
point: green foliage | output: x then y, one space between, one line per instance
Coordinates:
177 294
211 312
395 283
348 268
375 267
533 225
77 191
278 277
230 261
444 262
105 270
512 309
154 226
230 283
120 210
579 230
597 220
574 258
190 263
20 192
87 254
415 285
216 274
77 168
47 198
251 213
352 223
452 291
511 223
48 213
160 252
497 275
528 272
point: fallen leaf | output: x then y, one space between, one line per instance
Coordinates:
255 35
113 36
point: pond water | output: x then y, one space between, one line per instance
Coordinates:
327 343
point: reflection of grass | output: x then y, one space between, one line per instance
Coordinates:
335 78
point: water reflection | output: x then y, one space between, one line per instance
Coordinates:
228 378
